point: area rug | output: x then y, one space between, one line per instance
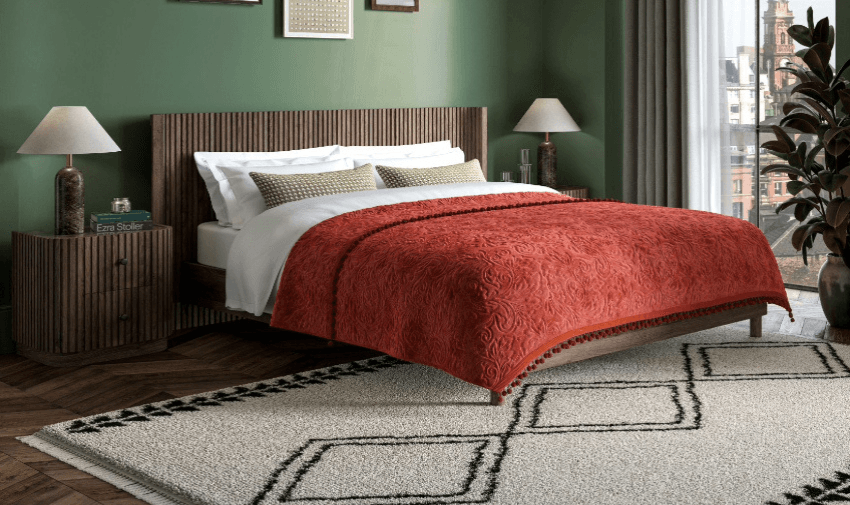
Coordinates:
711 418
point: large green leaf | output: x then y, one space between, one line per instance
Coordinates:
821 32
837 211
824 52
802 210
794 201
777 146
794 187
831 181
801 34
801 121
836 141
816 65
824 97
782 169
783 137
810 159
825 114
800 73
802 233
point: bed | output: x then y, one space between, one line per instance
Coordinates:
180 200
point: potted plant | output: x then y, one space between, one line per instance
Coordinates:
821 107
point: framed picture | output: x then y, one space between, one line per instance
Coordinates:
396 5
236 2
319 19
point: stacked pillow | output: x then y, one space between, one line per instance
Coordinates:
231 177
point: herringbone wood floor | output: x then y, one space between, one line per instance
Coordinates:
33 395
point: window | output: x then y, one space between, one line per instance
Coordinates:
738 210
755 43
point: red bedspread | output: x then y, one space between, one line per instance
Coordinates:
481 286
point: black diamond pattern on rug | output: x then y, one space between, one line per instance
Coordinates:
388 471
609 406
737 360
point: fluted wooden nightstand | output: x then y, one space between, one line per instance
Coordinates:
574 191
80 299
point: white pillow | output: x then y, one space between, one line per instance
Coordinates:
397 151
243 197
452 157
205 160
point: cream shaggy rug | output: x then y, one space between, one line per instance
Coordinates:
710 418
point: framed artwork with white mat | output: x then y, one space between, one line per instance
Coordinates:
321 19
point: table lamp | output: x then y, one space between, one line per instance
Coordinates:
69 131
547 115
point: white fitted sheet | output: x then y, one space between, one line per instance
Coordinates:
214 243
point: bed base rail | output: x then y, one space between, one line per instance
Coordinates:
635 338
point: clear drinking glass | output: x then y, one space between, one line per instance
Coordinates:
507 176
524 156
525 172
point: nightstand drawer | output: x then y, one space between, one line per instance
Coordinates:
121 261
121 317
75 302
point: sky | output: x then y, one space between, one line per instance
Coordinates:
740 19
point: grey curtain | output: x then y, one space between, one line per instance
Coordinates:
654 144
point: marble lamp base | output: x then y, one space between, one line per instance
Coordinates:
547 164
70 202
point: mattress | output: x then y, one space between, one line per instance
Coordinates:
214 243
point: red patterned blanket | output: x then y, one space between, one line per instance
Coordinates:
481 286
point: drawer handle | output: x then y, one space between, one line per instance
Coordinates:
123 317
123 261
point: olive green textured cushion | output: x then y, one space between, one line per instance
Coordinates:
278 189
393 177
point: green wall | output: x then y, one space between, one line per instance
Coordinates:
127 59
583 67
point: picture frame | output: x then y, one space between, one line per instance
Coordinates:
233 2
396 5
319 19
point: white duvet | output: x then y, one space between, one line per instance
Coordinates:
259 252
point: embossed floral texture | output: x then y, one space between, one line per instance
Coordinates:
480 286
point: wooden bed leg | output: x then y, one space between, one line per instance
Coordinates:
496 398
755 327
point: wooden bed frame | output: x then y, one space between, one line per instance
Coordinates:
180 199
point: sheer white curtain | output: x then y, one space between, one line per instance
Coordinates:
708 175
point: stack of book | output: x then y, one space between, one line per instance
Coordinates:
121 222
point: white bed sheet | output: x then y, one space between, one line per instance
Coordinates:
259 252
214 243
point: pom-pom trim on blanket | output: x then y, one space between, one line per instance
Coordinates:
631 326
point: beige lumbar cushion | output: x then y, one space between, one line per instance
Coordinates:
469 171
278 189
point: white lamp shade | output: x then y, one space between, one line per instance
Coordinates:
547 115
69 130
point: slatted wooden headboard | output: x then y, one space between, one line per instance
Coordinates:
181 200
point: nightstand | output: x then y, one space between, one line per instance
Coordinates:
574 191
80 299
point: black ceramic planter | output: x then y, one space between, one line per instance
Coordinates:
834 291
